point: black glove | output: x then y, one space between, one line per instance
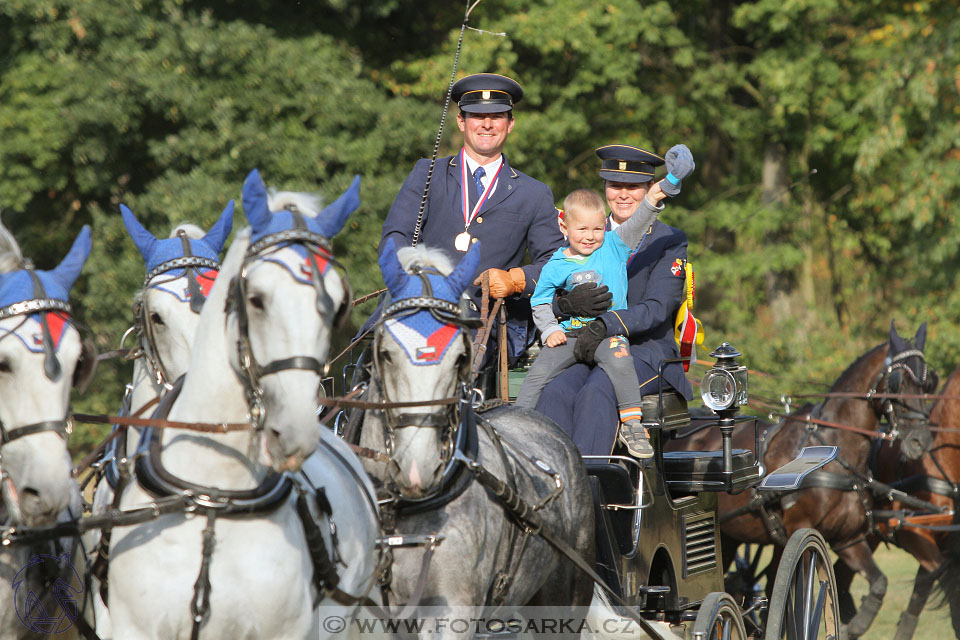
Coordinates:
588 339
585 300
679 165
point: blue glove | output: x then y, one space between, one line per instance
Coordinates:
679 165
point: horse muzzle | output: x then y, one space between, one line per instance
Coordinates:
916 443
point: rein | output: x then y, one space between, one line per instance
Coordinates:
345 401
836 425
156 423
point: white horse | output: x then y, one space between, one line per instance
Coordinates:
180 271
421 353
256 357
41 591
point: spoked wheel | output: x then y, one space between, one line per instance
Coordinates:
803 605
719 619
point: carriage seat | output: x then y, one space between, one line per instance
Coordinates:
675 415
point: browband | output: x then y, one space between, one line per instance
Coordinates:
35 305
290 235
181 263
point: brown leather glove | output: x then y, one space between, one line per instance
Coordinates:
504 283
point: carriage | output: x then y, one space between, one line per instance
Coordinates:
657 533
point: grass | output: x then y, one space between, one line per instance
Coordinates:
901 568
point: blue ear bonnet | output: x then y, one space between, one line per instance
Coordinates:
425 333
17 286
264 222
156 252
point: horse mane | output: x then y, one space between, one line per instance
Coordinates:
10 255
193 231
849 371
425 257
309 204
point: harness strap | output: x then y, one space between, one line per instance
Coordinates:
414 602
57 426
105 521
51 365
307 363
200 605
193 287
932 484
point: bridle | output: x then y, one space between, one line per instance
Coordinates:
144 326
897 412
450 418
39 304
250 371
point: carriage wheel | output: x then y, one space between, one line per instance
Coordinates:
803 604
719 619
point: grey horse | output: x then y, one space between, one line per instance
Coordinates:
481 555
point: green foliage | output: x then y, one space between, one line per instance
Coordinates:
826 135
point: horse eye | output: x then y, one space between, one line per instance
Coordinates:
5 367
155 318
256 302
385 356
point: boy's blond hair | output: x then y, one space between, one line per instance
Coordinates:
582 201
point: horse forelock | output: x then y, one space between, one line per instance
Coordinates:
425 257
191 230
309 204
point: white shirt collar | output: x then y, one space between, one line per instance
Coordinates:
490 169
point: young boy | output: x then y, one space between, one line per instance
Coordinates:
592 255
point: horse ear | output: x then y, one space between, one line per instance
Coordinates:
69 269
255 201
221 228
330 221
393 274
921 338
143 239
461 277
893 330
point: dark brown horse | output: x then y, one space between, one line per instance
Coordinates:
838 502
931 474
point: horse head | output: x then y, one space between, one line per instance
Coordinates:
42 355
422 353
283 307
180 272
906 373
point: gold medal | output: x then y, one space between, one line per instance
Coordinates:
462 241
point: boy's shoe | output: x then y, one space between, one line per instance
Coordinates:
634 438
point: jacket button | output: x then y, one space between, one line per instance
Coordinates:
479 219
473 241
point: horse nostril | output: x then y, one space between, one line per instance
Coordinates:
30 502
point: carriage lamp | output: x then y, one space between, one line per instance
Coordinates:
724 386
724 389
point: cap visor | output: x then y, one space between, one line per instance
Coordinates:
485 108
616 176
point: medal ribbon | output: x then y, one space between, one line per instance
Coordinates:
468 217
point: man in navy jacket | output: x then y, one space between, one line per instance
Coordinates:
581 400
509 212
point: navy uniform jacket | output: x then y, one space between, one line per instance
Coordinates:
519 216
655 279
